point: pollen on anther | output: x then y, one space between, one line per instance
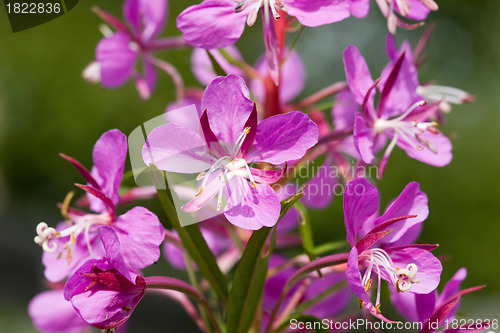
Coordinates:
247 130
199 192
360 303
253 184
377 307
72 238
368 285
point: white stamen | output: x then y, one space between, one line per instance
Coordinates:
105 30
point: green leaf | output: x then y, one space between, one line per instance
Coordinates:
248 283
311 323
217 68
192 239
289 202
305 231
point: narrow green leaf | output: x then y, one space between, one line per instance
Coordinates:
217 68
306 231
248 283
192 239
289 202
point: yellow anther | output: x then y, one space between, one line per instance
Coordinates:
246 130
377 307
368 285
253 185
72 238
199 192
360 303
200 176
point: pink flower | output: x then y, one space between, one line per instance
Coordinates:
230 140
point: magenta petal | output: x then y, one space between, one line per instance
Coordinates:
141 234
228 105
361 201
357 73
185 112
259 207
429 267
174 148
359 8
51 313
211 139
109 155
344 110
283 138
153 14
411 201
440 141
115 59
267 176
131 13
403 92
405 304
418 11
202 66
113 250
450 289
353 276
272 48
212 24
318 12
364 138
106 308
292 79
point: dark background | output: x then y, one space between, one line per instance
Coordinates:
46 108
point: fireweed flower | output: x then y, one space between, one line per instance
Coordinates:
382 245
416 10
229 142
398 117
104 291
215 24
72 242
118 53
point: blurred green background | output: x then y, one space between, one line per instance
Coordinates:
46 108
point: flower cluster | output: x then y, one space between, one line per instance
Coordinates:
247 160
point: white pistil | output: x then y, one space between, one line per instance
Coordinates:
80 224
44 235
379 260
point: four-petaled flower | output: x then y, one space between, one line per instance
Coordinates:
105 291
72 242
383 245
401 116
230 141
117 53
